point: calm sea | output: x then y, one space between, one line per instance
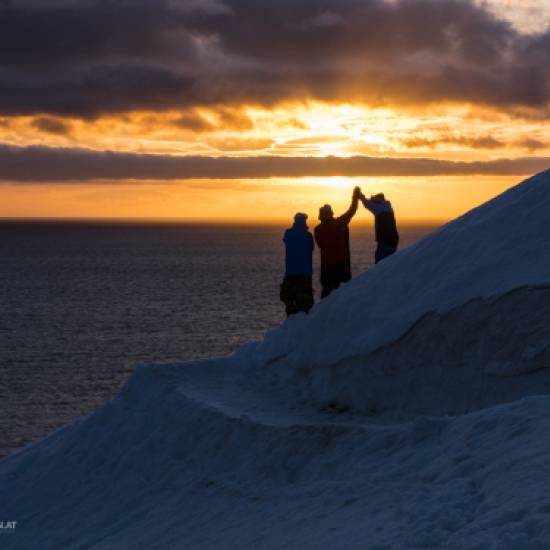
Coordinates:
83 302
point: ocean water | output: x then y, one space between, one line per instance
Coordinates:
83 302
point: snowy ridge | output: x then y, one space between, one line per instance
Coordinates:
485 352
491 250
432 328
335 431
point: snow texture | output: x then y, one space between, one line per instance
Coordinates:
410 409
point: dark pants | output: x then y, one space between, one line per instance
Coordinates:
383 250
332 275
297 294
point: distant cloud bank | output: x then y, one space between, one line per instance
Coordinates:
87 58
42 164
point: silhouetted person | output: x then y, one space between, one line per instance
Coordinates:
348 261
330 236
384 225
297 290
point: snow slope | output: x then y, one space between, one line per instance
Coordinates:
189 457
338 355
250 451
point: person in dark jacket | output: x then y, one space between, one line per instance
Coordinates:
330 236
348 261
297 290
385 227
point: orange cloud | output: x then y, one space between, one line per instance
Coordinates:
483 142
236 144
530 144
51 125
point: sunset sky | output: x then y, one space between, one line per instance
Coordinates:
262 108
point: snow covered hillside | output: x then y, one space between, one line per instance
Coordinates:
433 329
334 432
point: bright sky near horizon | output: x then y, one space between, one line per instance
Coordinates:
261 108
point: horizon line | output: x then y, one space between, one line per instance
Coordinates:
152 219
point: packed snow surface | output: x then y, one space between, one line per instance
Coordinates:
410 409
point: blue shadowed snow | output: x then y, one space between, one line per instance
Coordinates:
250 451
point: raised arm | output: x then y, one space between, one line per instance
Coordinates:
346 218
369 205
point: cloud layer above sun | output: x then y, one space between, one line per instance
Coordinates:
41 164
87 58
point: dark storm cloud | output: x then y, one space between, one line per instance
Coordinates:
42 164
88 57
87 94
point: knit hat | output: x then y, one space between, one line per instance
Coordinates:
327 210
300 215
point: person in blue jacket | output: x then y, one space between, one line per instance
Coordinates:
296 289
384 225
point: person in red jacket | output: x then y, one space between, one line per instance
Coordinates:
330 238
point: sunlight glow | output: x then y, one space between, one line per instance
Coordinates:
312 129
316 129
